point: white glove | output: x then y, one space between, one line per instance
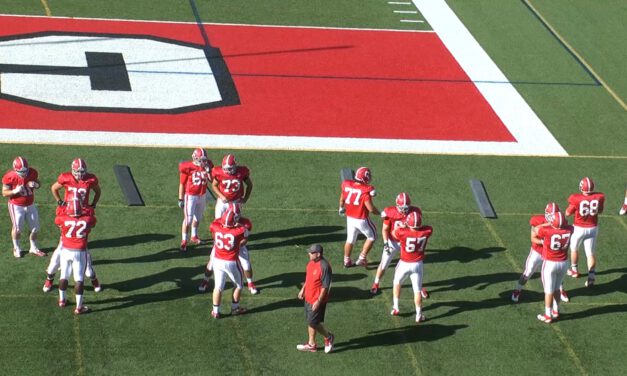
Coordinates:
18 190
341 211
32 184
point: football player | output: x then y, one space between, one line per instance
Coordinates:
77 183
534 259
244 256
19 185
193 180
555 240
393 218
413 240
356 203
228 237
75 227
228 184
586 206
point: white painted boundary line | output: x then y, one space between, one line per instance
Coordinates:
415 21
531 134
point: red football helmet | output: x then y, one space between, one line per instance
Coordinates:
414 219
199 157
20 165
79 168
403 202
550 209
74 208
237 210
363 175
229 165
228 218
558 220
586 185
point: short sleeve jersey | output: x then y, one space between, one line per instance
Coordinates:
226 240
555 242
413 242
194 178
317 277
537 220
355 196
231 186
395 219
74 231
587 208
77 188
11 180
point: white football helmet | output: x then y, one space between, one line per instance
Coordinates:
229 165
20 166
79 168
586 185
403 202
199 157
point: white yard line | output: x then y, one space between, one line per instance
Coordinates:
406 11
414 21
399 2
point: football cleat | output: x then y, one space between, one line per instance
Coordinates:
81 310
515 296
195 240
36 252
420 318
589 282
555 315
586 185
414 219
403 202
238 311
17 252
62 303
394 312
97 286
328 343
572 273
348 263
623 210
79 168
204 285
229 165
424 293
361 262
374 290
20 166
47 285
252 288
183 246
564 296
544 318
307 347
363 175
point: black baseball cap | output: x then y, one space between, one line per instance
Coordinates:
315 248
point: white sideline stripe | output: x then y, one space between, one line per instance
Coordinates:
220 24
406 11
416 21
528 130
220 141
399 2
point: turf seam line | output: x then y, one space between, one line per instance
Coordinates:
620 220
44 3
78 349
584 64
562 338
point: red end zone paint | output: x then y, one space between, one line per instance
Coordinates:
297 82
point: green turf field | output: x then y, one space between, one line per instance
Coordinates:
150 319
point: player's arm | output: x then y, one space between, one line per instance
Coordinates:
215 187
56 189
97 192
7 191
341 208
182 181
385 231
249 189
570 210
371 208
535 237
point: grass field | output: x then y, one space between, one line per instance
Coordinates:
150 319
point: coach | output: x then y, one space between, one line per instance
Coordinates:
315 292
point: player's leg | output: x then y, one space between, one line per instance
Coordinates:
532 263
204 284
32 217
64 274
90 273
369 230
235 275
220 279
244 260
623 209
589 245
548 283
220 208
351 237
79 265
575 243
198 213
386 258
401 272
53 266
416 284
17 220
187 220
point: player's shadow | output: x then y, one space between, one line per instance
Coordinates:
460 254
616 285
478 282
424 332
128 241
201 251
463 306
595 311
296 236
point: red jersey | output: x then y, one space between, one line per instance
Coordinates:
355 196
413 242
77 188
226 240
194 178
231 186
587 208
11 180
74 231
535 221
318 276
88 211
395 219
555 242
